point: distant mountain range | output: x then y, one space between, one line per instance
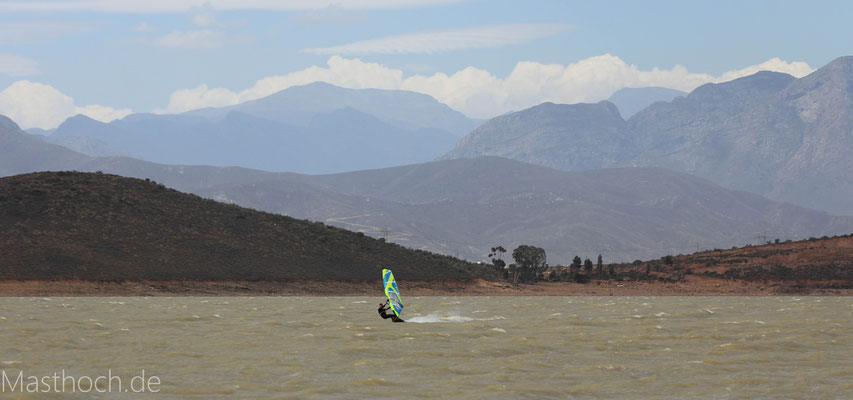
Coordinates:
316 128
770 133
300 105
465 207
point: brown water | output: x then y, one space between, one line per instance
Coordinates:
451 348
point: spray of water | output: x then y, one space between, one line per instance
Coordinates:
447 317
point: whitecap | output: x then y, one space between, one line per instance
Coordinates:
431 318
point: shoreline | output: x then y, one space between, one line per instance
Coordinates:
477 287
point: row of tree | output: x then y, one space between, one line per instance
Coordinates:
531 266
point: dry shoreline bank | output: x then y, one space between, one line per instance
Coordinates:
690 287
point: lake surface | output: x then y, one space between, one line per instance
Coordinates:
450 348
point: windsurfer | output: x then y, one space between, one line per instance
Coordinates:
386 312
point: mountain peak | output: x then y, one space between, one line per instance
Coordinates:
839 69
79 125
564 136
844 62
6 123
759 86
579 110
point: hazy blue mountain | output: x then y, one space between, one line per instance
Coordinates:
568 137
630 101
21 152
341 140
308 129
299 105
24 153
768 133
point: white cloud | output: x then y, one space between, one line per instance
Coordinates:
478 93
194 39
13 65
36 105
145 28
199 97
796 68
179 6
332 14
446 40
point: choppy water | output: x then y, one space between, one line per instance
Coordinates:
463 348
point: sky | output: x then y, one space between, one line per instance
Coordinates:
107 59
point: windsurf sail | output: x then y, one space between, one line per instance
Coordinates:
392 292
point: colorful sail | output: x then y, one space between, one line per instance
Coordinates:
392 292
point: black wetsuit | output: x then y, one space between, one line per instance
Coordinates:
383 312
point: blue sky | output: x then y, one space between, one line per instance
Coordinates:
110 58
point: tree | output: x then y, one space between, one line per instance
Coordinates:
497 260
667 260
600 265
530 263
587 266
576 266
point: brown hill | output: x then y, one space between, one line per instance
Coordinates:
92 226
812 263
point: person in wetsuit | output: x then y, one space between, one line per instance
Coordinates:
386 312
